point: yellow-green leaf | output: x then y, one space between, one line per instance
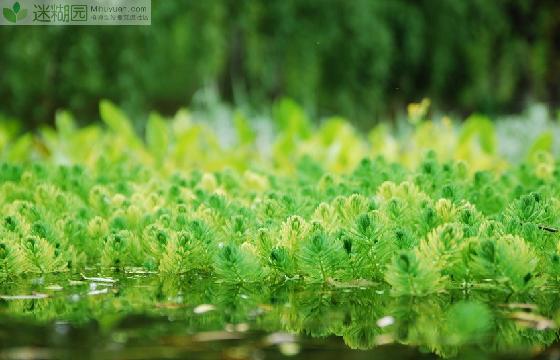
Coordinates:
157 136
245 134
481 127
542 143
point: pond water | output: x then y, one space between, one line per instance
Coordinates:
143 316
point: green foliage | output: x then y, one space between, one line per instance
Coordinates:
282 263
12 260
324 206
508 260
482 128
320 258
157 137
410 275
235 265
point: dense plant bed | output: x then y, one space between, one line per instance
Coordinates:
431 210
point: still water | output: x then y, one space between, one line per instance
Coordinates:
143 316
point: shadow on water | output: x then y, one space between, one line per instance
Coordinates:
147 317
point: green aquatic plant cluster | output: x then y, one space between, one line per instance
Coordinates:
432 211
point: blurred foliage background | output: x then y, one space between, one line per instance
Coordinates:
363 59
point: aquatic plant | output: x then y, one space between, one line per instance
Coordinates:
425 213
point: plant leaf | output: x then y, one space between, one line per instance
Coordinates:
157 136
65 123
117 121
482 128
291 118
245 134
16 7
9 15
543 142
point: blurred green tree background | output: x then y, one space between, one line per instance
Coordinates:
363 59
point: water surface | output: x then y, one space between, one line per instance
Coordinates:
143 316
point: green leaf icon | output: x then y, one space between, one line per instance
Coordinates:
22 14
16 7
9 15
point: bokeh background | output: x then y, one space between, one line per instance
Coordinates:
363 59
